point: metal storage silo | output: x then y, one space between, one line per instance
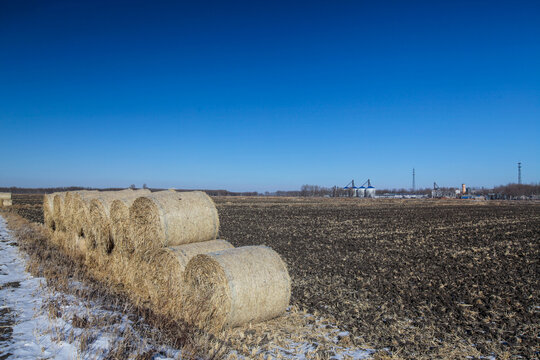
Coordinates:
370 191
362 191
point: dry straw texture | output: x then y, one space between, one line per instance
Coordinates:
164 278
58 211
72 203
7 202
100 218
120 225
80 225
48 211
233 287
119 215
172 218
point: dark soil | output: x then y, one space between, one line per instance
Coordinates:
29 206
415 276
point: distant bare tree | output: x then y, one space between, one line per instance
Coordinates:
132 186
315 190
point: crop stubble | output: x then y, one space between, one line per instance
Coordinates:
418 277
421 278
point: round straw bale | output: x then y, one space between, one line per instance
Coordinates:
48 211
164 281
58 211
120 225
71 207
172 218
66 211
80 224
100 217
233 287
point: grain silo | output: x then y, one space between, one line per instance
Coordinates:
362 191
370 190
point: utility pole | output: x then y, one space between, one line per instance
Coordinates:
519 173
413 180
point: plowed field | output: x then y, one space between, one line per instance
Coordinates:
420 278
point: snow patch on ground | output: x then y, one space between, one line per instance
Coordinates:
30 329
23 325
27 330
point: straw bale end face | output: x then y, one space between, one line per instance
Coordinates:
147 225
58 211
100 226
120 229
234 287
164 280
48 211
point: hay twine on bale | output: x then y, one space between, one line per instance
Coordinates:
234 287
170 218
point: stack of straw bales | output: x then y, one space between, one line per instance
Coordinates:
5 199
163 249
100 216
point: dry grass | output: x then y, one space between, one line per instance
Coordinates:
294 333
61 270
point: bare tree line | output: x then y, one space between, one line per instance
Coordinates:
307 190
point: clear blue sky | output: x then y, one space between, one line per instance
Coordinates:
265 96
